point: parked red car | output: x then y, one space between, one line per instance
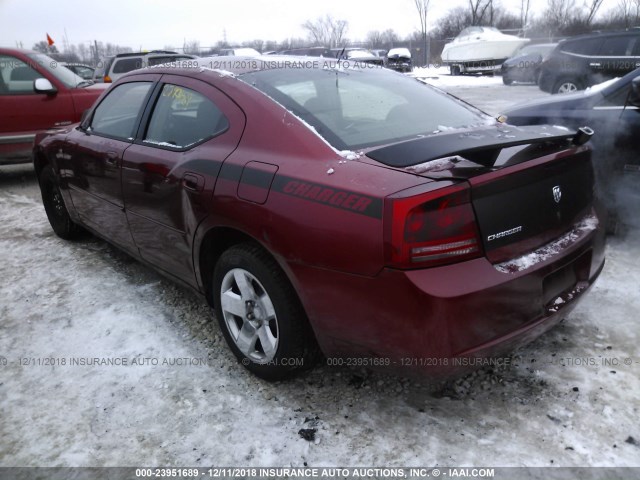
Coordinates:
36 93
350 211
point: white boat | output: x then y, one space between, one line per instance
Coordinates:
480 49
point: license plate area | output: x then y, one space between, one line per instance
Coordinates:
565 279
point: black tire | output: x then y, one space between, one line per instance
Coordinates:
455 71
506 80
55 208
295 348
566 85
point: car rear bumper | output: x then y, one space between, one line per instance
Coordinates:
422 320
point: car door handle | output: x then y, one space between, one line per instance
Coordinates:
111 158
193 182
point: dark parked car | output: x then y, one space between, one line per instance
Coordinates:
359 55
613 112
36 94
310 52
83 71
524 66
399 59
320 209
586 60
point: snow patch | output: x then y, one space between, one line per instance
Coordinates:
437 165
551 249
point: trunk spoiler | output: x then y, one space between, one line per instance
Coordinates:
484 141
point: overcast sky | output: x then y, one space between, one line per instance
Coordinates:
149 24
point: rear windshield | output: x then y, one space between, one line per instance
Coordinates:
360 108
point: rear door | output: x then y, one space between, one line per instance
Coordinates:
170 173
94 158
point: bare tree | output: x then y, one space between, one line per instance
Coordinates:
374 39
255 44
423 12
43 47
592 7
628 12
390 38
191 47
83 53
559 14
338 33
326 31
481 12
453 22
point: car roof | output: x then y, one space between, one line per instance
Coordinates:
616 33
233 65
151 52
76 64
24 51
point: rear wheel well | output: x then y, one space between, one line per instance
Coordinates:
215 242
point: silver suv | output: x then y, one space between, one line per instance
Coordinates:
112 68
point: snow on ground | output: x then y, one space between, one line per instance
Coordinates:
568 399
440 77
484 91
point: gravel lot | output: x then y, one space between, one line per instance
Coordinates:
568 399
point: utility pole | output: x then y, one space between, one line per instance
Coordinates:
95 52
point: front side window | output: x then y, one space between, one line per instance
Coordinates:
16 77
183 117
117 114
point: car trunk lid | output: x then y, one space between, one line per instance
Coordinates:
527 187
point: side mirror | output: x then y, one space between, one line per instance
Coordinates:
634 94
42 85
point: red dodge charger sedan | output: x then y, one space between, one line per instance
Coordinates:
331 208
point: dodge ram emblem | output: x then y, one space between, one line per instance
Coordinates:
557 193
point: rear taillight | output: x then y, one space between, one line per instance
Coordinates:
429 229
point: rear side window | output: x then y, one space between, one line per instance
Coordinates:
588 46
616 47
183 117
124 65
117 114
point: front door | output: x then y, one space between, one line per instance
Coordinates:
93 160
